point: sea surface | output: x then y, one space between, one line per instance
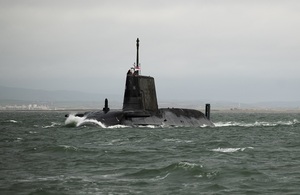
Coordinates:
42 153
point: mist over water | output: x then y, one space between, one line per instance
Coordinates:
45 153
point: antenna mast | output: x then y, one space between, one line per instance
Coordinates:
137 55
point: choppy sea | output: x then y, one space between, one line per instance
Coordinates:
41 153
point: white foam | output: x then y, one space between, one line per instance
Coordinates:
148 126
177 140
160 177
73 120
225 124
53 124
229 150
66 147
117 126
18 139
171 140
255 124
188 165
91 121
13 121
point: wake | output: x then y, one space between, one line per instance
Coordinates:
256 124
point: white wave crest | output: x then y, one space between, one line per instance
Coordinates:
255 124
66 147
160 177
117 126
53 124
92 121
229 150
148 126
177 140
187 165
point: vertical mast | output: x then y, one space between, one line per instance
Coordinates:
137 54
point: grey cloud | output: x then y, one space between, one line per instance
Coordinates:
219 48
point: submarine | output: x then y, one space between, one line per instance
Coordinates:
140 107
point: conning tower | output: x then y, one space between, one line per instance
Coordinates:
140 94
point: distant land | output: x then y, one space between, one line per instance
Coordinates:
20 98
10 96
11 93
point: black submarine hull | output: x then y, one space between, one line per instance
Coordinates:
165 117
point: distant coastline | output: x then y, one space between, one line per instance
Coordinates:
31 99
282 111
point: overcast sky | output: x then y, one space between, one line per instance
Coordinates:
243 50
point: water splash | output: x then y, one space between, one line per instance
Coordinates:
75 121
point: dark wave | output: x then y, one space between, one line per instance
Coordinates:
179 169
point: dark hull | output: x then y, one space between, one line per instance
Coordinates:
165 117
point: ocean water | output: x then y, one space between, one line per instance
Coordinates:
42 153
